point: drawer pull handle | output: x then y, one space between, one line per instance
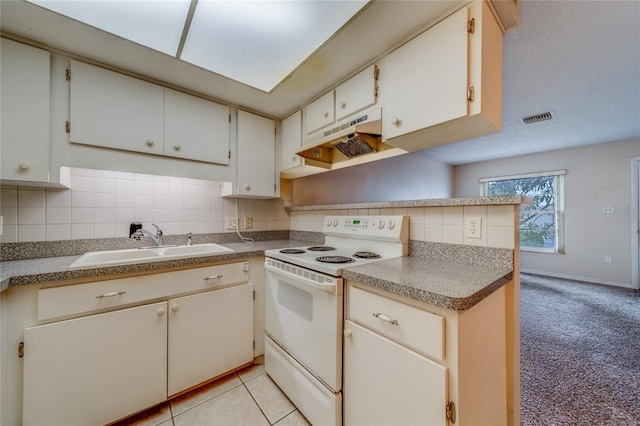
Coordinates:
112 294
385 318
213 277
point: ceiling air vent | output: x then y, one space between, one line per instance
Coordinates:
538 117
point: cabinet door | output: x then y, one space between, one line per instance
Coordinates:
112 110
97 369
425 81
195 129
291 141
387 384
209 334
319 113
356 93
256 155
25 99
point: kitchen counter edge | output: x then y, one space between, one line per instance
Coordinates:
56 269
446 284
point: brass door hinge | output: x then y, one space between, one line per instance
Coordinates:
471 26
21 350
67 126
471 93
67 75
451 412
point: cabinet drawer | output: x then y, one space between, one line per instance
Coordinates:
82 298
418 329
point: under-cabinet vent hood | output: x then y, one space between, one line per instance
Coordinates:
356 137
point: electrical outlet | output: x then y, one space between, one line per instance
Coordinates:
608 259
248 222
231 223
473 227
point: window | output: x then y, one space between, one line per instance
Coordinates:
541 224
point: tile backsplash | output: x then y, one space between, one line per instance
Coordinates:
433 224
102 204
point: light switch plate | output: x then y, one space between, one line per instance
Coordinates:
473 227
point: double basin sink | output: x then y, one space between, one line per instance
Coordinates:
94 259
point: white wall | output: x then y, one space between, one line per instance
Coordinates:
597 176
411 176
102 204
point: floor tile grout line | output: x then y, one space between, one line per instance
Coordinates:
256 402
206 400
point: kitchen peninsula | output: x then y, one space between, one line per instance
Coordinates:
449 280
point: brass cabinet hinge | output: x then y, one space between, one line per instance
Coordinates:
67 75
471 26
229 118
67 126
376 72
471 93
254 295
229 154
451 412
254 345
21 350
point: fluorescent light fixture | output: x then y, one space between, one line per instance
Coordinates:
260 43
157 24
256 42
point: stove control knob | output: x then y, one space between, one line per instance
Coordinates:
392 224
381 224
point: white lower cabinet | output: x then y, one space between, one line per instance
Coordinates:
413 363
388 384
98 368
209 334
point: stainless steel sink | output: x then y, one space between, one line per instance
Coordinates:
149 254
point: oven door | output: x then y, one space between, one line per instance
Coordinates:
303 315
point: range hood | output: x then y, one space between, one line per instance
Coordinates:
352 140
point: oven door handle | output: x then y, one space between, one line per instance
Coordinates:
330 287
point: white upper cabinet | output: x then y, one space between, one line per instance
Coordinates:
25 106
115 111
446 84
256 156
195 129
425 81
291 141
319 113
357 93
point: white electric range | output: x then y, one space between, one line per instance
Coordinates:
304 308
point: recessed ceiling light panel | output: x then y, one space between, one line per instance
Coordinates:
259 43
156 24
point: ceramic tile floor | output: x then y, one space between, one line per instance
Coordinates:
245 398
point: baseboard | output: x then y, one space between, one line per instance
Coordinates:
576 278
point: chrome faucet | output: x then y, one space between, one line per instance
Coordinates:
157 239
189 239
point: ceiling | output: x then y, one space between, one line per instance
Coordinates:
580 60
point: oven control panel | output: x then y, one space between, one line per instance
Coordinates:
376 227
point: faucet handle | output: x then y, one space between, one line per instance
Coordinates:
159 231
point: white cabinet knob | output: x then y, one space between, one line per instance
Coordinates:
176 147
381 224
395 121
160 312
392 224
325 114
347 333
150 142
24 165
342 105
293 158
247 187
175 307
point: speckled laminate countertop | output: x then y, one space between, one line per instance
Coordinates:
49 269
447 284
433 202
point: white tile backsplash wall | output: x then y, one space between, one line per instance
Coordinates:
102 204
434 224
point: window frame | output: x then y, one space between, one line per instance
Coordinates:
559 208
